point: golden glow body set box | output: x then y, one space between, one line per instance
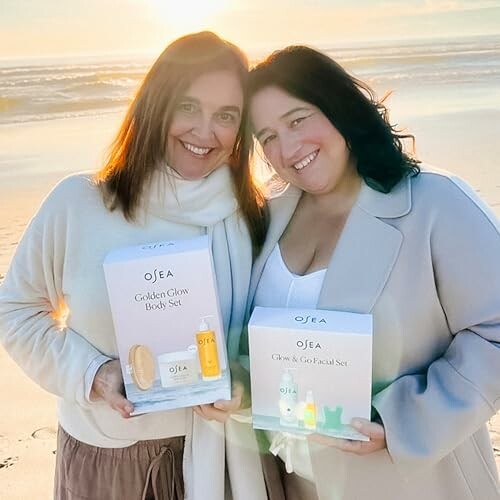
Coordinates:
311 370
168 325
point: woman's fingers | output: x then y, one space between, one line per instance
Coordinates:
209 412
108 386
373 430
121 405
357 447
234 403
222 409
328 440
197 410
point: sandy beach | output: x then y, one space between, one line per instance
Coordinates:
39 154
34 156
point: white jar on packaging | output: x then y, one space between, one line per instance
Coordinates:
179 368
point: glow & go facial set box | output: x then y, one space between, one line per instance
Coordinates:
168 325
311 370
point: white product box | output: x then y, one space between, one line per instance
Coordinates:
311 370
168 325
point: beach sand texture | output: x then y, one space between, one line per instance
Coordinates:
36 154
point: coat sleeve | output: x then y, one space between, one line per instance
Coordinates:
428 415
32 328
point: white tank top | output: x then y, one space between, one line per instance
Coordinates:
279 287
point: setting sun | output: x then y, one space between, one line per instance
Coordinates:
188 15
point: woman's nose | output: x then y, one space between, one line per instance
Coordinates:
290 146
203 128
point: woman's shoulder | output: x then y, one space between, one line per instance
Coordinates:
74 185
441 184
74 192
448 193
434 177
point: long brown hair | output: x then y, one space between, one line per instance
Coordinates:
140 145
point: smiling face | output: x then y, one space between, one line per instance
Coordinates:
301 144
205 124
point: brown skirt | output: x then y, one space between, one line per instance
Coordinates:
146 470
282 485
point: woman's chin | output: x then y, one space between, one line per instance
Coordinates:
193 175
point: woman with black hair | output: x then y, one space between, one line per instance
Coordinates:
361 227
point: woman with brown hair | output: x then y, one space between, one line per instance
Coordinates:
177 169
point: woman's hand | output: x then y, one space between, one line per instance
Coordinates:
108 386
373 430
222 409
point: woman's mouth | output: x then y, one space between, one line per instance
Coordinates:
305 161
196 150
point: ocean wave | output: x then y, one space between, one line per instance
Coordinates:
16 110
67 78
449 48
28 118
34 91
69 68
430 77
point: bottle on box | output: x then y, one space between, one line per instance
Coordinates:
310 412
206 342
288 400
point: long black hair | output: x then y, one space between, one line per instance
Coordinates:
348 103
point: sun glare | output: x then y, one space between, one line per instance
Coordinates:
188 15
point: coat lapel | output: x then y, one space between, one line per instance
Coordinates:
361 264
366 251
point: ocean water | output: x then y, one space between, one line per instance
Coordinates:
448 75
32 92
159 398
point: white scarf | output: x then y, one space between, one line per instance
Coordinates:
209 203
200 202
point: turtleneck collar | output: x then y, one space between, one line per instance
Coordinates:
200 202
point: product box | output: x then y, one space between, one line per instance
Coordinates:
311 370
168 325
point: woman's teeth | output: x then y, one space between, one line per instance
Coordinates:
303 163
195 149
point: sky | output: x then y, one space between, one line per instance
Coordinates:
38 28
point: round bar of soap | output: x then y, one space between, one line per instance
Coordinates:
143 366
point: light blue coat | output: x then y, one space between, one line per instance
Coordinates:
425 261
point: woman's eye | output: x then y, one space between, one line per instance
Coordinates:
267 140
187 107
226 117
297 121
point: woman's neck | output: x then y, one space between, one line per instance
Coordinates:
339 200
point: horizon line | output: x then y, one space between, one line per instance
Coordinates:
255 50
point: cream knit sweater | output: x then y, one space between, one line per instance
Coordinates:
58 266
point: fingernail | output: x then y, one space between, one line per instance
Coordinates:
357 424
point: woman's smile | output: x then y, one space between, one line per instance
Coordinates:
306 161
198 151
